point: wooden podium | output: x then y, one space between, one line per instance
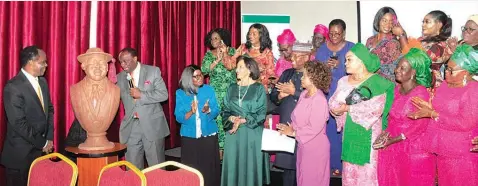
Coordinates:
90 163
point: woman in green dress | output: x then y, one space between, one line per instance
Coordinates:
218 64
244 112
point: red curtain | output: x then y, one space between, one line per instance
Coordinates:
169 35
61 29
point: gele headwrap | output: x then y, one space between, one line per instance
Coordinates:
371 61
287 37
320 28
466 57
420 61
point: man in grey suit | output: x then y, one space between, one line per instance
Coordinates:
144 125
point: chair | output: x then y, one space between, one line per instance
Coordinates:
113 174
184 176
45 172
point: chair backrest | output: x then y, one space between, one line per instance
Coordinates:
45 172
184 176
112 174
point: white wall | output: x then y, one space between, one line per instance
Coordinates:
411 14
306 14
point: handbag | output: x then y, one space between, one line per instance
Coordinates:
356 96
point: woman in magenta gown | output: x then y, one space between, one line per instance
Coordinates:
454 113
308 127
402 155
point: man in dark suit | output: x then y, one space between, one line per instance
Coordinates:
144 125
30 117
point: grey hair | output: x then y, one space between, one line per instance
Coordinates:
186 81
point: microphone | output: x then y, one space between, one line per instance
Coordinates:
130 80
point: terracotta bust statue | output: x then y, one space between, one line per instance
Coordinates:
95 99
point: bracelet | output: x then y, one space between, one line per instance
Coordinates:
403 136
431 115
401 35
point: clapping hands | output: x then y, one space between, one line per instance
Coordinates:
424 109
206 109
286 88
475 143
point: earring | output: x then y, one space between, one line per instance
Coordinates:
413 76
464 81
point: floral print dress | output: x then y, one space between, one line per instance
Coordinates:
389 51
219 78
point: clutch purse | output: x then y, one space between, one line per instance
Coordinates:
356 96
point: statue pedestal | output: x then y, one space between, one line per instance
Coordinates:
90 163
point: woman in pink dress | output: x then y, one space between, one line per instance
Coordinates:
308 127
454 113
285 42
402 155
363 114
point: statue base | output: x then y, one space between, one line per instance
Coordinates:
96 142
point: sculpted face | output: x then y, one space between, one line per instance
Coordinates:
95 68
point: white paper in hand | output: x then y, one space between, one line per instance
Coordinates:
272 140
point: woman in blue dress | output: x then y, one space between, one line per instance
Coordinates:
333 53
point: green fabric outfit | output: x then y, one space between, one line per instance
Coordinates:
244 163
219 78
356 146
467 58
420 61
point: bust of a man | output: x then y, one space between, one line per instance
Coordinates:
95 99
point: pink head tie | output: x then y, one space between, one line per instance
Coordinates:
321 29
287 37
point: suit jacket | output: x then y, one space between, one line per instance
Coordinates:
76 135
28 126
149 109
286 106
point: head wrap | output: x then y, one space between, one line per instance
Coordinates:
287 37
466 57
420 61
473 18
371 61
320 28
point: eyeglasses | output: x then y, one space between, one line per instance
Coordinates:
453 71
334 34
283 49
467 29
198 77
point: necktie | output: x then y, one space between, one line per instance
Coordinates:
135 114
39 94
132 79
94 93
